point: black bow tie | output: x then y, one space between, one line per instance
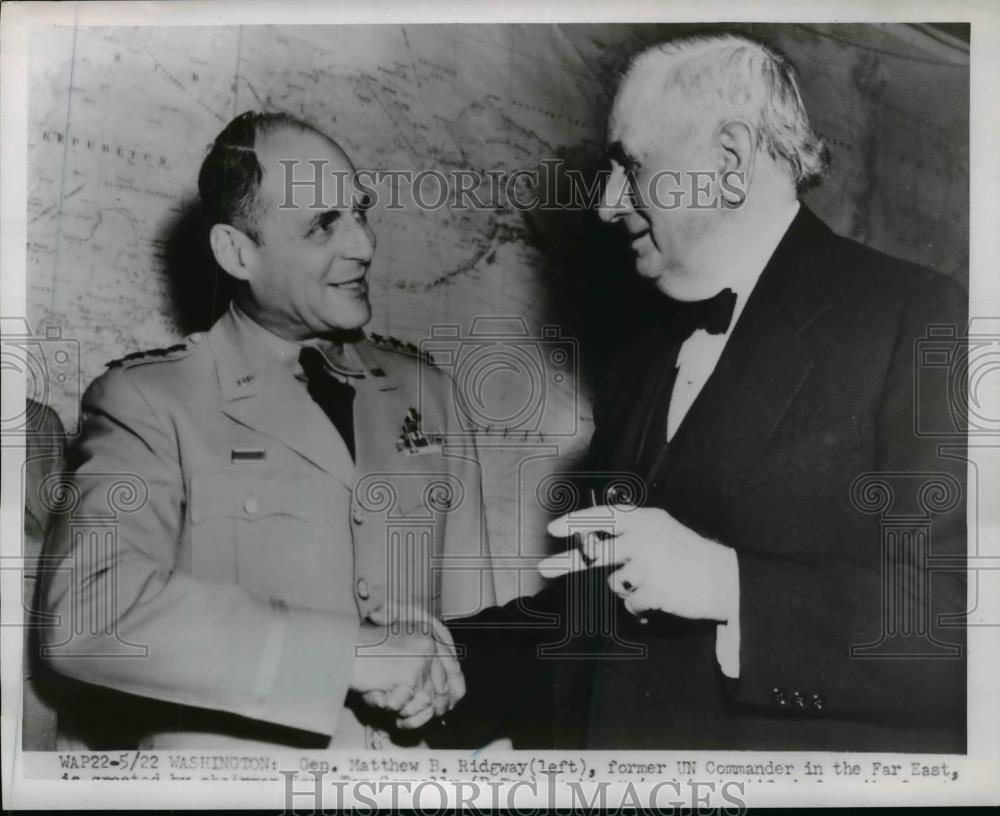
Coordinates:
713 315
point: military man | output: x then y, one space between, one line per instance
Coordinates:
279 558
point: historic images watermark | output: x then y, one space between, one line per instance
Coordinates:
548 187
304 795
919 513
86 583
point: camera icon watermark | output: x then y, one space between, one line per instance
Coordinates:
506 381
50 364
965 365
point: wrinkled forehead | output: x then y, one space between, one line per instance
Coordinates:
303 168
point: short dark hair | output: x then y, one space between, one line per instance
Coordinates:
230 176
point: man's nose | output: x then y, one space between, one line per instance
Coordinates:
616 198
360 244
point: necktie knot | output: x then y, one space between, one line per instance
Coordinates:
313 364
334 397
713 315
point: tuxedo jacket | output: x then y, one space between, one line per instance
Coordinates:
217 546
825 449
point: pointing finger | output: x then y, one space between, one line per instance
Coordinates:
562 564
601 519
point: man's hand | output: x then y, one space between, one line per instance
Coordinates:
407 664
664 565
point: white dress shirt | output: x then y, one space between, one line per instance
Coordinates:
696 361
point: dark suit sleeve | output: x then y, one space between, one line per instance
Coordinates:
525 675
876 636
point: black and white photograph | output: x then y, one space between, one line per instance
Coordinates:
437 402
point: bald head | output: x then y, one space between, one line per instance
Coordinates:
707 80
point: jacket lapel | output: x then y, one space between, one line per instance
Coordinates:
763 367
262 393
381 409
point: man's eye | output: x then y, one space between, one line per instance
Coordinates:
325 225
630 168
361 209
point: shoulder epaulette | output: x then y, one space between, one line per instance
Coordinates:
401 347
151 355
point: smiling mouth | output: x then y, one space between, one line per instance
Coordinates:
359 284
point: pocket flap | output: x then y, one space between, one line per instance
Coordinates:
249 495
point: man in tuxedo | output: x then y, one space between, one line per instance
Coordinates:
247 516
789 572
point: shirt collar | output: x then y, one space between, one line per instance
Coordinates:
340 359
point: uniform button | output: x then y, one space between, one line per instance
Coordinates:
196 337
778 697
816 702
251 505
364 591
357 514
798 700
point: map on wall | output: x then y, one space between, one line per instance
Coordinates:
120 120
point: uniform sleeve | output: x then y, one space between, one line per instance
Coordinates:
128 619
468 582
879 636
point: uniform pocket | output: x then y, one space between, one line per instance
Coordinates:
241 521
248 496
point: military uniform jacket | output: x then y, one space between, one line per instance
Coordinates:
219 546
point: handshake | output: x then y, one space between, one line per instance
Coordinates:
405 662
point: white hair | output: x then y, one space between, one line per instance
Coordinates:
734 75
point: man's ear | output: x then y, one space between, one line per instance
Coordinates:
234 251
737 153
